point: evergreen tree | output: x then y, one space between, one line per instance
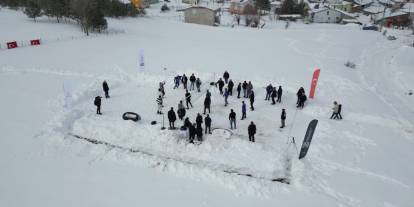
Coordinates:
288 7
94 17
263 5
32 10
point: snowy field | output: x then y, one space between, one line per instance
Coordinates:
363 160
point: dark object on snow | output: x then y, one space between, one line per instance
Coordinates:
183 128
153 122
308 138
350 64
131 116
372 27
391 37
165 8
106 89
97 103
410 92
212 83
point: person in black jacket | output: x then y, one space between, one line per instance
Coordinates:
181 110
226 76
188 99
184 80
220 83
274 94
252 131
279 94
299 93
198 84
192 132
339 111
106 89
187 123
251 100
238 90
207 103
283 118
97 103
244 87
199 120
172 117
232 118
207 122
269 89
302 100
192 81
230 87
199 133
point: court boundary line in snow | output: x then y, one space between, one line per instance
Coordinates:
226 169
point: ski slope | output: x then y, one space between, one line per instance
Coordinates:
363 160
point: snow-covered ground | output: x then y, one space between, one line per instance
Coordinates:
363 160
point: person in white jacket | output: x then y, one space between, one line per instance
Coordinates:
335 110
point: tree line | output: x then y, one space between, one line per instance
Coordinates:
89 14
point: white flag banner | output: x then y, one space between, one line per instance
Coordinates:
67 93
141 59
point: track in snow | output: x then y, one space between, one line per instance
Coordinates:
221 167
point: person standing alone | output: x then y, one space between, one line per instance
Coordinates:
207 122
232 118
243 110
283 118
97 103
279 94
252 131
106 89
172 117
238 90
251 100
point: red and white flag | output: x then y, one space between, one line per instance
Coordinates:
314 82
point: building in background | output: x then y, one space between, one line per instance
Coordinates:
202 15
240 7
330 15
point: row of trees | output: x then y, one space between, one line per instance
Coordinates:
288 7
89 14
291 7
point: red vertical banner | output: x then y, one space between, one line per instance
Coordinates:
11 45
314 82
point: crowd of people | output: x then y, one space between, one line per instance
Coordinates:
225 87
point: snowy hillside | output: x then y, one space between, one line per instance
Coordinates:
363 160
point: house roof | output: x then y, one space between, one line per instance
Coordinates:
362 2
276 3
374 8
386 2
124 1
240 1
212 8
389 13
408 7
330 8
